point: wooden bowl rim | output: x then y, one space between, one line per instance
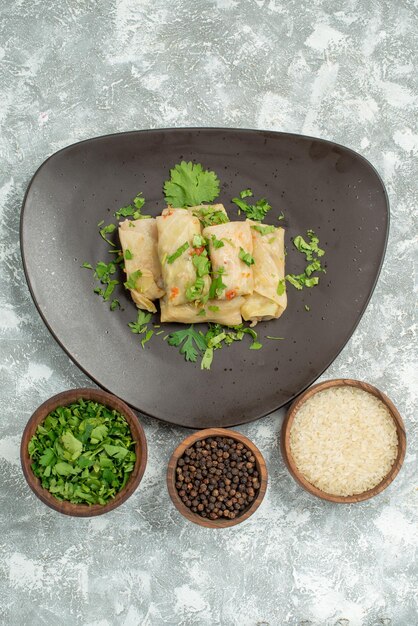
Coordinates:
204 434
291 465
65 398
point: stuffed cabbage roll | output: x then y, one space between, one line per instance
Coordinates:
231 248
138 239
178 238
269 299
223 312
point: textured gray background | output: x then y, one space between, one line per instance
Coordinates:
344 71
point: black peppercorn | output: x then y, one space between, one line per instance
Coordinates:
217 478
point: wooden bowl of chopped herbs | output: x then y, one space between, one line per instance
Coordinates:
83 452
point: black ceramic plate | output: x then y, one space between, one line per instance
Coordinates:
318 184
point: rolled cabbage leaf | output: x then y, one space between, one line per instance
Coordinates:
269 299
226 243
176 230
138 239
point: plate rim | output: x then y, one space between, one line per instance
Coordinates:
201 129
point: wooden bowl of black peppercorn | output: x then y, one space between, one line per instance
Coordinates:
217 478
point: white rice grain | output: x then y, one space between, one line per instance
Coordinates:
343 440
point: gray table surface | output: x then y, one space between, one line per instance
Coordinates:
344 71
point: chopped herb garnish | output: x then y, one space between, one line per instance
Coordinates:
257 211
213 308
103 273
110 228
217 243
307 308
312 252
190 185
115 304
109 289
140 326
207 359
160 332
139 201
201 313
83 453
199 241
263 230
210 216
177 253
256 345
281 216
246 257
100 223
128 255
281 287
202 264
193 292
276 338
87 266
216 287
133 210
147 337
132 278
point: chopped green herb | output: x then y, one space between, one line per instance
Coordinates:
281 287
210 216
190 185
281 216
312 252
193 292
133 210
83 453
128 255
140 326
296 280
87 266
132 278
177 253
139 201
115 304
307 308
216 287
199 241
277 338
190 341
160 332
100 223
110 228
217 243
257 211
256 345
207 359
201 313
202 264
263 230
213 308
246 257
109 289
147 337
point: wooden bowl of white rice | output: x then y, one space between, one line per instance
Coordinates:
343 440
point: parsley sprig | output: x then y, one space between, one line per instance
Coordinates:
191 342
190 185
